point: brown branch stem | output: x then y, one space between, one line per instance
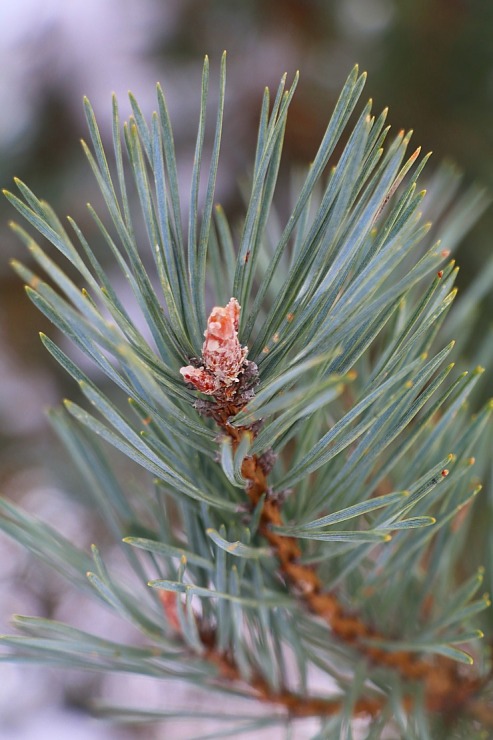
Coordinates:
297 705
446 688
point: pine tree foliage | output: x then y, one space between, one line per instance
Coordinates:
312 510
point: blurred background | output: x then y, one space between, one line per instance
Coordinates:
431 61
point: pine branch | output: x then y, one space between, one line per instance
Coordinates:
312 458
446 689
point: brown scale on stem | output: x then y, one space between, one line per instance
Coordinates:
225 374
